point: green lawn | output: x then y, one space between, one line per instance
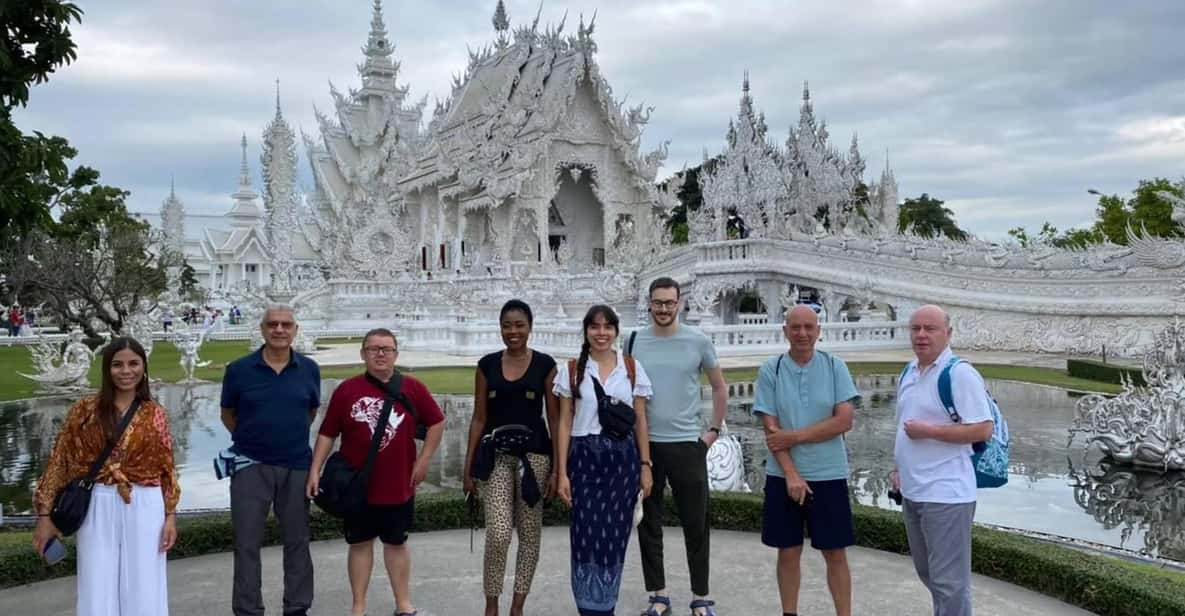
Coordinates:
165 364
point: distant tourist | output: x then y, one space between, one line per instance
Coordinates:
131 521
601 462
675 355
806 401
167 319
933 462
16 319
269 399
354 412
512 389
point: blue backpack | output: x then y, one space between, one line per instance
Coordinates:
990 457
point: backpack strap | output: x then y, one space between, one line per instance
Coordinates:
572 385
778 367
629 345
945 394
631 370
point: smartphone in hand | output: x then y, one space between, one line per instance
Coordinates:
55 551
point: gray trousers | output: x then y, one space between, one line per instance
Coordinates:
940 543
253 491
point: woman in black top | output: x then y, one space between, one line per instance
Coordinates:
511 391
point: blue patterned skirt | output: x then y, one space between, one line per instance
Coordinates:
604 476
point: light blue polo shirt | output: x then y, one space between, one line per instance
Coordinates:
801 396
674 364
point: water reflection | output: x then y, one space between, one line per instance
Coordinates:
1139 511
1137 502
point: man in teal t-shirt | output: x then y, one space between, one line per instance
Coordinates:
674 356
805 399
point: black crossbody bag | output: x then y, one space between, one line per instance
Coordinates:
343 489
72 503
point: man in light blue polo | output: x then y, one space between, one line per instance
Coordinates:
674 356
269 399
806 401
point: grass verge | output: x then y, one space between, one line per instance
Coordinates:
1100 584
165 365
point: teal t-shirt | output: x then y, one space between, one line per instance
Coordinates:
800 396
673 364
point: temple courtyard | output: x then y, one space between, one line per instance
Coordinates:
446 581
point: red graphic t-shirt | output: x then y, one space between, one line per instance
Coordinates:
354 411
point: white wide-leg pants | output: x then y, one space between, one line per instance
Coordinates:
121 570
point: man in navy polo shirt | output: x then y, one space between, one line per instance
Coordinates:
269 400
806 402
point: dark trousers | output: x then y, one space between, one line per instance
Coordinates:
684 466
253 491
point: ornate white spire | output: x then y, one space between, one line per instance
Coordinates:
278 114
172 219
245 211
278 161
244 172
500 20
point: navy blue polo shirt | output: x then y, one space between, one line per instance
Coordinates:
272 410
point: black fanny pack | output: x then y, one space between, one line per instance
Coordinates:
513 440
617 418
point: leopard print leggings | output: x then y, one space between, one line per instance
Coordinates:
505 510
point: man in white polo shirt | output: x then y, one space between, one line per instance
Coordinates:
933 456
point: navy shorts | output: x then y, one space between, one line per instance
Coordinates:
826 516
389 523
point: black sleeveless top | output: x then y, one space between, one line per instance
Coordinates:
520 401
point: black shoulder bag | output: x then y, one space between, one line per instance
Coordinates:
342 489
72 503
617 417
394 390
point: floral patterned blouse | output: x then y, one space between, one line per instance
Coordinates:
143 457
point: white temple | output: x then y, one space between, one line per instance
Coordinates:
528 181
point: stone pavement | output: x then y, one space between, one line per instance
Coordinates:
347 353
446 581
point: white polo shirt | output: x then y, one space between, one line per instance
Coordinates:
934 471
617 386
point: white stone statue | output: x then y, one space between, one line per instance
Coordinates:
188 344
64 371
1143 426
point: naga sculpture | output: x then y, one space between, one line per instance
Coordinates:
61 371
1143 426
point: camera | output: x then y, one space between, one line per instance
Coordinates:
895 496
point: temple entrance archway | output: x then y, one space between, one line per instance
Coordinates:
575 216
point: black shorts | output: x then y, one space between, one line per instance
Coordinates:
389 523
827 515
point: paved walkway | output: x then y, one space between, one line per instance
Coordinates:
347 353
446 581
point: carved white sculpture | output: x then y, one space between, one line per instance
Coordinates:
189 343
62 371
141 324
1143 426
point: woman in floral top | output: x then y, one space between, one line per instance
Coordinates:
130 524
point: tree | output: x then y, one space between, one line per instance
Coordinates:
1146 210
1072 238
35 41
188 283
926 217
690 197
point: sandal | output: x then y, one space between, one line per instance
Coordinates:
705 604
658 600
406 613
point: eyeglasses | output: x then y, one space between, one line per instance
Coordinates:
280 324
664 304
380 350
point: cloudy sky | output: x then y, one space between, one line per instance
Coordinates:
1008 110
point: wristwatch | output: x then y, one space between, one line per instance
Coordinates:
714 429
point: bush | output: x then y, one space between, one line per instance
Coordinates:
1106 373
1100 584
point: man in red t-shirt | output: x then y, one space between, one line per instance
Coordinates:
354 411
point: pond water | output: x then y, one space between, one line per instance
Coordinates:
1056 487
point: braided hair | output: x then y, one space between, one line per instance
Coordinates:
589 317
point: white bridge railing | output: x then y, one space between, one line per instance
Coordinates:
470 337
